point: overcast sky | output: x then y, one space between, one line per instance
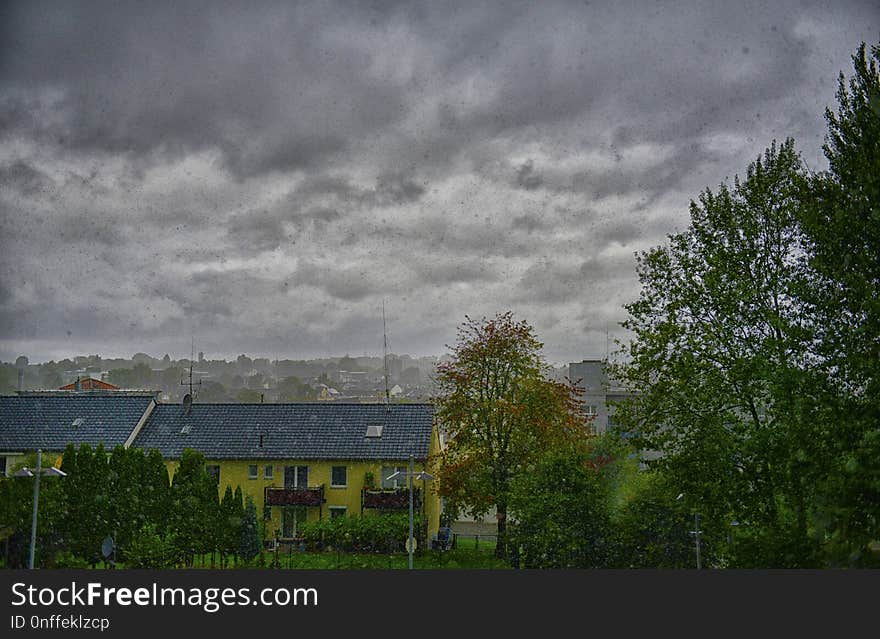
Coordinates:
260 176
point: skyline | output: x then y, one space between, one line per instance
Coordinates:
262 178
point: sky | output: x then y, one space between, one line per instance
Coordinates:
261 176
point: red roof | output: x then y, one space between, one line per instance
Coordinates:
89 383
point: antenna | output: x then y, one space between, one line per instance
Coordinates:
385 354
606 343
190 384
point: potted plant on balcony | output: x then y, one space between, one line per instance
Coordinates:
369 480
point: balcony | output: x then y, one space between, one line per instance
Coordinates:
391 499
313 496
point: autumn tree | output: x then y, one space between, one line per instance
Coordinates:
499 413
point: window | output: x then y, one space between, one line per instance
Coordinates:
252 471
397 482
214 472
591 410
296 476
339 476
337 511
2 466
268 472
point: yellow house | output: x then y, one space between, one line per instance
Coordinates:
306 461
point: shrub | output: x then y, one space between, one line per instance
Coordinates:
370 532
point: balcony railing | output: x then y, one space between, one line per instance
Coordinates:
390 499
312 496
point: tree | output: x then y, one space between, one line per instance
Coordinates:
292 389
194 503
499 414
248 396
842 224
654 527
562 508
721 358
88 516
249 546
126 506
231 516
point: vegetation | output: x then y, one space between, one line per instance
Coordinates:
500 413
755 350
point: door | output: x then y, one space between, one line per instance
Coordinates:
292 518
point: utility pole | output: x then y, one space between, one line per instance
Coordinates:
34 516
411 540
696 533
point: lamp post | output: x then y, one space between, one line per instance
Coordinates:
27 472
410 475
695 532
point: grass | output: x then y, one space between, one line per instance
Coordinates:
467 557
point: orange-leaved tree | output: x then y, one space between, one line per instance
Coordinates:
499 413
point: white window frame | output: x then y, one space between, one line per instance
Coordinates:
591 410
397 481
332 485
338 509
256 471
269 472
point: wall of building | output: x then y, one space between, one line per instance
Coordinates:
236 473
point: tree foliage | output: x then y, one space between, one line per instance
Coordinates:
249 545
755 348
499 414
842 224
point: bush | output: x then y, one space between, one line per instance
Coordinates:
149 549
370 532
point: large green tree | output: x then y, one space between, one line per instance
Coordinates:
842 224
499 414
721 358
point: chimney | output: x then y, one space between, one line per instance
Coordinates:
77 386
261 398
20 379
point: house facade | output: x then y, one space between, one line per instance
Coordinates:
599 392
298 462
305 461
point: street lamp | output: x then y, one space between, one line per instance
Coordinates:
695 532
27 472
410 475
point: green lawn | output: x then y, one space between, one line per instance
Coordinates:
460 558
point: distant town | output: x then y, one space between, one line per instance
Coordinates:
242 380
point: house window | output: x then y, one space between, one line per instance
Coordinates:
339 477
397 482
2 466
296 476
591 410
337 511
268 472
252 471
213 471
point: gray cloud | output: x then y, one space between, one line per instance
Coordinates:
263 176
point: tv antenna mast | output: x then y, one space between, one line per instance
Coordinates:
190 383
385 354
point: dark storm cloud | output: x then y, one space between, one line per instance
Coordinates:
24 178
527 178
265 174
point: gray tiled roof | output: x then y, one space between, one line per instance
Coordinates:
31 422
290 431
